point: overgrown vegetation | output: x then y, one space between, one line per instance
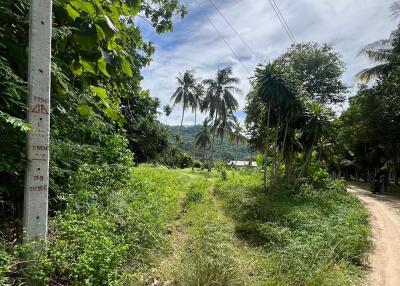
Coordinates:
233 234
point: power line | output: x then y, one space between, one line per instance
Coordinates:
284 20
228 45
281 19
235 31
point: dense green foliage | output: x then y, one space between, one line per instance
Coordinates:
226 151
100 118
318 68
369 137
97 55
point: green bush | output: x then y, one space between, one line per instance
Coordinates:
197 164
222 169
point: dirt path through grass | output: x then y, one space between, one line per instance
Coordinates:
385 220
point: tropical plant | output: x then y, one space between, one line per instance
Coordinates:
275 94
186 92
318 125
220 103
167 109
219 100
204 137
385 53
318 68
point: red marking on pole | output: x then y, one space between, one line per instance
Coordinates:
40 108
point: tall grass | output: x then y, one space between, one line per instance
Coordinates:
317 237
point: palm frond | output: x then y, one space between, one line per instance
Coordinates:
373 72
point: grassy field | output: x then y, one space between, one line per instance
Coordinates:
155 226
230 233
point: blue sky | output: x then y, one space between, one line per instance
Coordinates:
194 44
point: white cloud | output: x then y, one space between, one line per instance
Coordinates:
347 24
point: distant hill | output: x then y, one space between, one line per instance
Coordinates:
226 151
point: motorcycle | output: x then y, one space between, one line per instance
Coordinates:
376 186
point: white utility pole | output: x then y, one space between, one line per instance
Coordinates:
37 172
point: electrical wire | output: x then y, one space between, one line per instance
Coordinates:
235 31
284 20
281 19
229 46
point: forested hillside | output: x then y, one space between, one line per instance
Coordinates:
225 151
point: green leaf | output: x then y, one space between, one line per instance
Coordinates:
111 24
84 6
100 33
88 66
16 122
86 36
84 110
126 67
101 92
260 160
76 68
102 65
72 13
134 6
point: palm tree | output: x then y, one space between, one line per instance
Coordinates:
318 125
185 93
219 98
385 53
167 111
237 135
278 92
196 100
203 138
220 102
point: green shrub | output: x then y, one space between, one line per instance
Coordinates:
197 164
222 169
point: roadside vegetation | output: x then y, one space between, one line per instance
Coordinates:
133 203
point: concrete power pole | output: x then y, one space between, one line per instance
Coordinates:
37 172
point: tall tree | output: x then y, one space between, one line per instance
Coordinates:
203 138
186 92
197 99
220 102
167 109
269 105
385 53
319 69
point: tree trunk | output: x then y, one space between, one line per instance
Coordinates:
183 115
274 170
266 152
280 157
211 155
194 149
396 175
307 160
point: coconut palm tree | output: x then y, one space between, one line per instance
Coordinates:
385 53
237 135
196 100
185 93
167 109
203 138
219 100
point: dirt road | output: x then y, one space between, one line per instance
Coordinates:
385 220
